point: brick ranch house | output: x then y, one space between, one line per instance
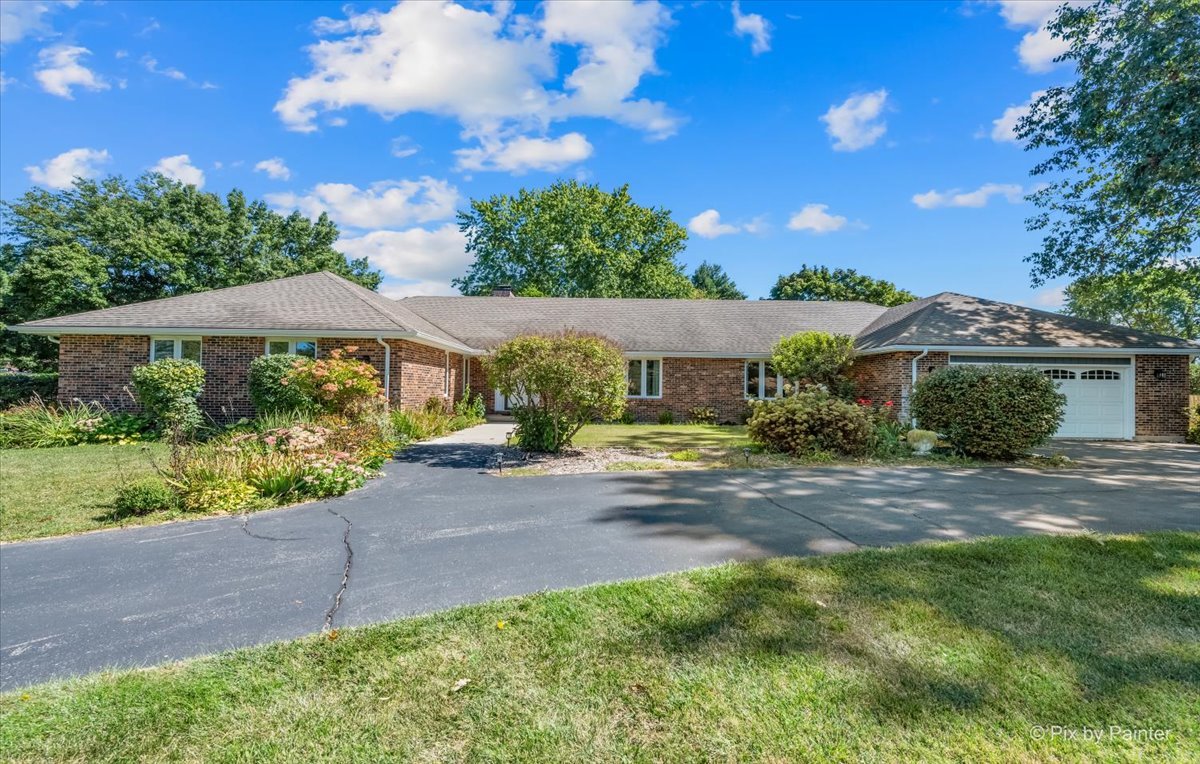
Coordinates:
1120 383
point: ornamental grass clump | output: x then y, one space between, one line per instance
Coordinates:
989 412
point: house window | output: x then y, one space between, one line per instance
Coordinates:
1100 374
306 348
644 378
185 348
1059 373
761 381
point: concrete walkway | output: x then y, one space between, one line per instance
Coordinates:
487 434
438 531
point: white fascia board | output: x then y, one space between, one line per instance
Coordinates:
1030 350
190 331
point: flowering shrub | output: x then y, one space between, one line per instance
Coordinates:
338 385
333 475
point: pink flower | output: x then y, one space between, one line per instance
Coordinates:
270 440
889 404
330 387
285 381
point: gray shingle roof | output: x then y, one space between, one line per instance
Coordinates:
956 319
313 302
672 326
323 302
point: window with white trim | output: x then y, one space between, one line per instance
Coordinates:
1104 374
1059 373
306 348
179 348
644 378
760 380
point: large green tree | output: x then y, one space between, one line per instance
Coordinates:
1160 299
713 283
821 283
105 243
573 240
1121 142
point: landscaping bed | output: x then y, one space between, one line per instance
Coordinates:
945 652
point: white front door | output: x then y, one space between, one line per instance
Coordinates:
501 402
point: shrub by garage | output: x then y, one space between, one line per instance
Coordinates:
989 412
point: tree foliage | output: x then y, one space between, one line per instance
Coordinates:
847 284
815 358
573 240
111 242
1158 299
1123 171
557 384
713 283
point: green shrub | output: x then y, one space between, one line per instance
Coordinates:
627 417
268 393
686 455
562 382
338 384
19 387
815 358
123 429
160 384
144 496
811 421
703 415
989 412
212 492
471 407
1194 377
1193 435
666 417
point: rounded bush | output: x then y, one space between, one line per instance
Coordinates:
268 393
160 384
811 421
990 412
144 496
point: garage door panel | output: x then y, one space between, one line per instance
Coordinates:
1096 403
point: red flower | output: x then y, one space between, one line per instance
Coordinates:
888 403
864 401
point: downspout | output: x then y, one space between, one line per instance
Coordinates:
387 369
913 387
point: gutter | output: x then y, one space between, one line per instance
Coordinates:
913 388
387 369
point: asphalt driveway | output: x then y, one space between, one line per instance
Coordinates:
437 531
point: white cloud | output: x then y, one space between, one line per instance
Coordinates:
150 64
5 81
978 198
19 20
385 203
423 260
59 70
522 154
816 218
1053 298
411 58
403 146
1004 127
708 225
754 26
180 168
275 168
1037 49
855 123
59 171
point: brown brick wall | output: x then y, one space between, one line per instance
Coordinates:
888 376
1160 406
688 383
420 372
97 369
226 362
479 385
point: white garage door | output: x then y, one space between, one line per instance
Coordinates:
1097 401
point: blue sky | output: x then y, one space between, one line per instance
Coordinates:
862 135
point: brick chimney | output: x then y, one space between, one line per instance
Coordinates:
502 290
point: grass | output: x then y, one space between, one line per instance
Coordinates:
52 491
661 437
950 652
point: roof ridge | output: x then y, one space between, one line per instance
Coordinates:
345 284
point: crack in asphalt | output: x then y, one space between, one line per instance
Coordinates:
246 530
337 598
798 513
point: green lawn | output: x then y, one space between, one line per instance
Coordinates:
52 491
952 652
668 437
